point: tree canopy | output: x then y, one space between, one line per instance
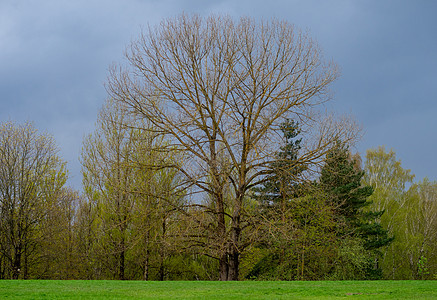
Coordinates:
218 90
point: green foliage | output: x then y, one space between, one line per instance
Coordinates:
297 223
304 253
410 215
422 269
132 196
354 262
341 179
32 177
133 222
285 169
359 231
266 267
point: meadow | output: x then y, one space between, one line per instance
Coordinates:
106 289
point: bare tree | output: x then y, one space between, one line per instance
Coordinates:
31 176
218 90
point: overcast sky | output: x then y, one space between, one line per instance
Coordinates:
55 55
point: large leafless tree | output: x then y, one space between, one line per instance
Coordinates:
218 89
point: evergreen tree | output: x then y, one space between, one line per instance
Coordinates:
297 225
341 179
273 199
281 183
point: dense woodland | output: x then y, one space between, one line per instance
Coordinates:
211 160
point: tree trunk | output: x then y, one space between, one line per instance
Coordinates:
16 266
1 267
147 258
221 232
234 262
234 255
224 267
121 264
303 262
146 267
161 270
162 251
25 267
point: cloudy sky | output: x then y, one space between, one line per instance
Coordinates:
55 55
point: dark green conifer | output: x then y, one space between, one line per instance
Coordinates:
341 180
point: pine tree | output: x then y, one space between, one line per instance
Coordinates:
284 171
273 198
341 178
297 223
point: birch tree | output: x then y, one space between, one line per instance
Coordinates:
420 230
389 181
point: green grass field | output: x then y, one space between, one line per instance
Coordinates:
52 289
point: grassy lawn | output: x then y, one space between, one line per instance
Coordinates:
79 289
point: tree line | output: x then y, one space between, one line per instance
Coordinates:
211 160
